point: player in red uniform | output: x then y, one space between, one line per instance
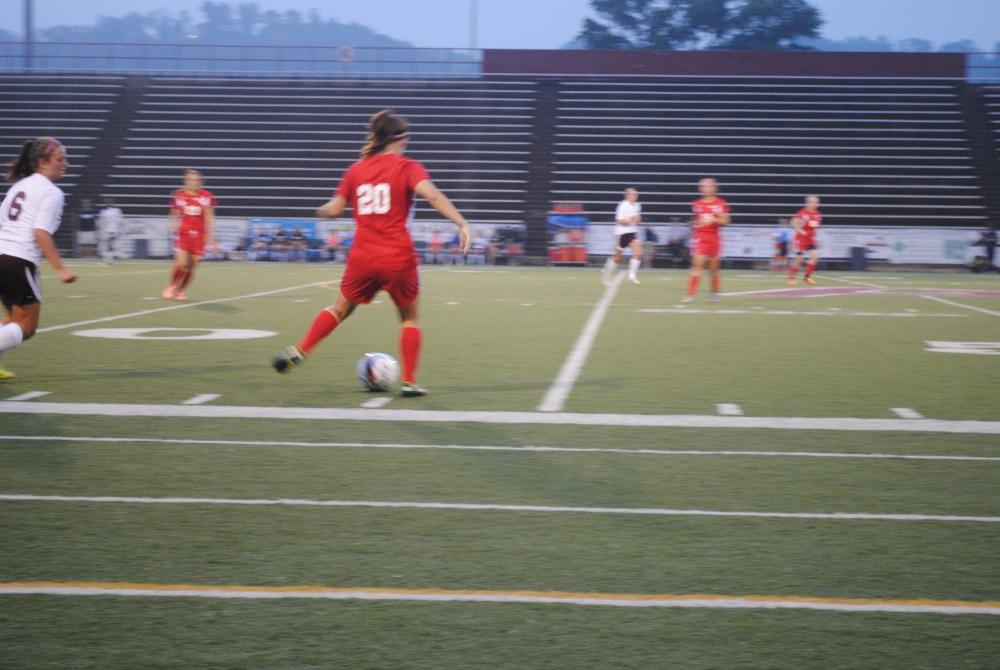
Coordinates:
710 213
380 188
192 214
807 222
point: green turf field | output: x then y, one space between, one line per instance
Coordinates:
766 404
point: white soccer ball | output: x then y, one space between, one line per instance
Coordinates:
378 372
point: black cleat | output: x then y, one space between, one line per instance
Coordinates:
410 390
287 359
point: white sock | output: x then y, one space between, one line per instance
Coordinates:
633 266
610 265
11 336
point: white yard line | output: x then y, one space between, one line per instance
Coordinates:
555 398
185 305
729 409
945 301
201 399
789 312
431 595
527 418
30 395
494 507
907 413
134 441
375 403
854 282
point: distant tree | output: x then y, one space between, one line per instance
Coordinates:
915 45
858 43
960 46
767 25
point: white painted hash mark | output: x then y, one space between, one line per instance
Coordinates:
30 395
906 413
945 301
555 398
495 507
729 409
375 403
201 399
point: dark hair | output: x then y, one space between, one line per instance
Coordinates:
384 128
32 153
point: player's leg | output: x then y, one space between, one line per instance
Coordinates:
19 325
612 263
715 266
793 266
322 326
811 266
635 262
192 263
410 342
176 272
697 266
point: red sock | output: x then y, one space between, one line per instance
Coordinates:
176 276
185 280
693 285
409 344
792 271
324 324
716 283
809 269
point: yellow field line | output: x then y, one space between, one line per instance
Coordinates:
463 594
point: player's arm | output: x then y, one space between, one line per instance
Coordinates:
209 225
44 241
723 219
175 218
333 208
439 201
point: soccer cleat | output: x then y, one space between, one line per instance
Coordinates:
169 292
634 280
791 281
687 299
6 374
714 297
287 358
180 296
809 280
411 390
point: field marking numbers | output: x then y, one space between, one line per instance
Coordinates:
201 399
375 403
555 398
186 305
729 409
907 413
945 347
643 600
495 507
30 395
133 441
527 418
945 301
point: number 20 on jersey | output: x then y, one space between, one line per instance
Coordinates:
373 199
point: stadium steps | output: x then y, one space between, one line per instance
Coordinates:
980 131
538 199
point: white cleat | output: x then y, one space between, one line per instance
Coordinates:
633 279
714 297
688 299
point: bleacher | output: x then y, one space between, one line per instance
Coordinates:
75 109
878 152
272 147
992 96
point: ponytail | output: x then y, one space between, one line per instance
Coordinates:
31 154
384 128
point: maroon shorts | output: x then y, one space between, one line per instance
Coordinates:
708 246
361 284
191 241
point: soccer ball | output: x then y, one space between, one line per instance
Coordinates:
378 372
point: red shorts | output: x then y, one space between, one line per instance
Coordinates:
191 241
361 284
804 244
708 246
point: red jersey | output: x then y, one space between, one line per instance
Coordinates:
809 223
707 215
381 190
191 209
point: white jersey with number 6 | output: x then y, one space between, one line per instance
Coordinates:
626 211
31 203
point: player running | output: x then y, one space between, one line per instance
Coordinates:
710 213
29 217
628 216
807 222
192 214
380 188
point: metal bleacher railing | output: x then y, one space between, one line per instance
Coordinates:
193 58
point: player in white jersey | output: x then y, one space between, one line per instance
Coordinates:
29 217
628 216
109 227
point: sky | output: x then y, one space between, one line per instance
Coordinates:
549 24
